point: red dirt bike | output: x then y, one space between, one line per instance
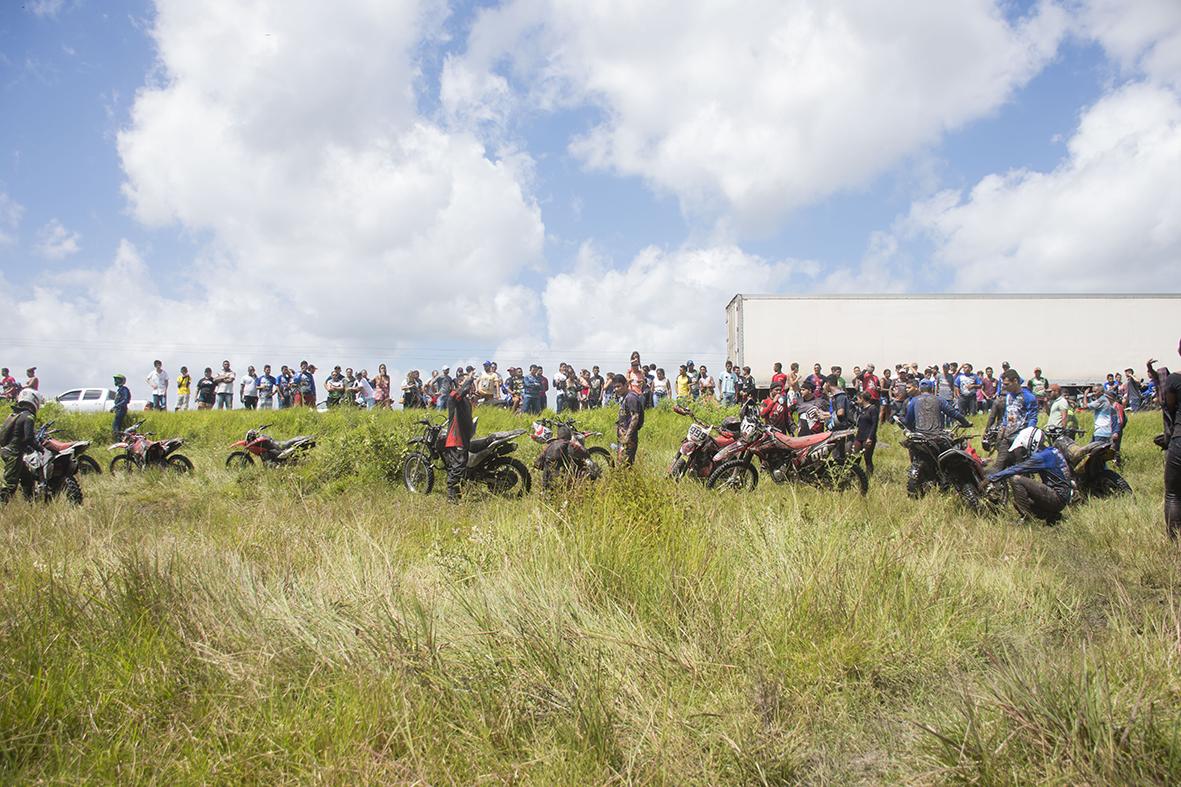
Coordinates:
140 453
825 460
52 467
544 430
695 457
269 451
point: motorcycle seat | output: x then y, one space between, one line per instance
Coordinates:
799 443
283 445
57 446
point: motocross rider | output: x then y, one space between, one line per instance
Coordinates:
1021 412
1042 499
460 430
17 436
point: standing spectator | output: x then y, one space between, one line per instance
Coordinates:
158 385
206 387
887 403
661 388
1038 385
266 385
867 429
531 399
630 421
184 384
248 389
595 388
694 379
793 377
988 388
412 390
381 387
842 410
544 387
681 385
778 378
965 384
9 387
33 381
1107 422
122 400
225 387
559 382
1059 408
858 383
812 415
728 384
286 385
516 383
747 390
776 410
708 386
816 378
443 386
334 385
1133 394
1169 387
461 428
349 396
871 383
365 392
840 380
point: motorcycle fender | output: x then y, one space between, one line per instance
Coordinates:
118 447
687 448
956 462
728 452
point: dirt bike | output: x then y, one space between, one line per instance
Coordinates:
140 453
825 459
963 470
926 471
52 467
1088 463
695 457
261 446
488 462
544 430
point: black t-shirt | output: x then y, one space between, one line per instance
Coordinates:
631 406
1172 385
205 388
867 424
596 387
840 401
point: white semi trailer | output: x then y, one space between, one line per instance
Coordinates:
1075 339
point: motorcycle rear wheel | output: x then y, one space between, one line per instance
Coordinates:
970 495
88 465
916 483
179 463
1111 484
601 456
498 479
239 460
123 465
845 476
736 475
418 474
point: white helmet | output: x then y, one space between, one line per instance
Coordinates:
1030 438
29 396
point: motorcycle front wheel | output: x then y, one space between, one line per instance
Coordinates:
601 456
677 471
1111 484
88 465
239 460
736 475
123 465
418 474
846 476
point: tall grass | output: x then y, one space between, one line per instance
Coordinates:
319 623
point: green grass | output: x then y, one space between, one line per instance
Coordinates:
319 623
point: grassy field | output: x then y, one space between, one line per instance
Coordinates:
322 624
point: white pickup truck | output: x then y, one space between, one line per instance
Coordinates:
93 400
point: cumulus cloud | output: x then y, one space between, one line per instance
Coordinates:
1140 35
289 132
45 8
1108 218
55 242
666 302
750 110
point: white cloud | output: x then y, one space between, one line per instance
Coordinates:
1108 218
1143 35
45 8
11 212
752 109
665 302
55 242
289 131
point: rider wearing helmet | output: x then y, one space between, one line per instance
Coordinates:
1044 498
16 438
122 400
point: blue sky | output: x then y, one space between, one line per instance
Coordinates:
186 160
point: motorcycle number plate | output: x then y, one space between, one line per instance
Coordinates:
697 434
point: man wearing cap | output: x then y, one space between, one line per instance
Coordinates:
122 400
925 412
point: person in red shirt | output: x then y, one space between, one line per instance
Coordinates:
8 385
778 378
776 411
870 383
460 430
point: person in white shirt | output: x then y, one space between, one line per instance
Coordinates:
248 389
158 383
364 390
225 387
661 388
